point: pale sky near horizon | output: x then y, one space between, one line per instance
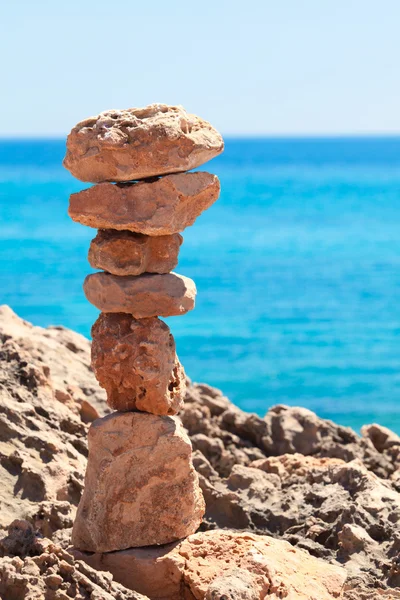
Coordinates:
261 67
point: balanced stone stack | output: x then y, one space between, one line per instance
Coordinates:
140 488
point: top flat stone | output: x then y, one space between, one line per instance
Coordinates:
136 143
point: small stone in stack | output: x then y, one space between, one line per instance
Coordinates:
144 296
128 253
135 361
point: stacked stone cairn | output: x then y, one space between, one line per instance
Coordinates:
140 487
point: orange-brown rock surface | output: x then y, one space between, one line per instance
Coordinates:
223 564
344 510
140 484
162 206
128 253
123 145
136 363
143 296
141 488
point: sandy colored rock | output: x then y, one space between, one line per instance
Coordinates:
63 354
223 564
137 568
140 486
160 207
47 393
237 583
383 439
143 296
33 568
128 253
336 511
135 361
136 143
278 569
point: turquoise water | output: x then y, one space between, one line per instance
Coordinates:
297 268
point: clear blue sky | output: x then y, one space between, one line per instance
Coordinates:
254 67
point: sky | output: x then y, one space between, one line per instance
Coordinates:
260 67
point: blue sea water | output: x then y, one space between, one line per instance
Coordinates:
297 268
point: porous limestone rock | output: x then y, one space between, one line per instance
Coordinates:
63 355
128 253
135 361
161 206
238 584
47 394
383 439
223 564
141 488
332 509
214 422
123 145
143 296
33 568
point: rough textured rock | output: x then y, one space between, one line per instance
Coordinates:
224 564
143 296
158 207
136 568
123 145
47 394
140 485
128 253
316 502
228 435
33 569
136 362
63 356
385 441
278 570
237 583
332 509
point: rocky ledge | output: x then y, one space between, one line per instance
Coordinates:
323 492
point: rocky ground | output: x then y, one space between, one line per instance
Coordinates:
290 475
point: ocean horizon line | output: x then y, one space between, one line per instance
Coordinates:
233 137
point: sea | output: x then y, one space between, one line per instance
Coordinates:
297 267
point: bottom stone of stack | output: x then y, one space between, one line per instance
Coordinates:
222 564
136 363
141 488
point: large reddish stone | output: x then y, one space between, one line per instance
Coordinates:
143 296
128 253
135 361
223 564
123 145
160 207
141 488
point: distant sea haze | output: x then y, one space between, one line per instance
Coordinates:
297 268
